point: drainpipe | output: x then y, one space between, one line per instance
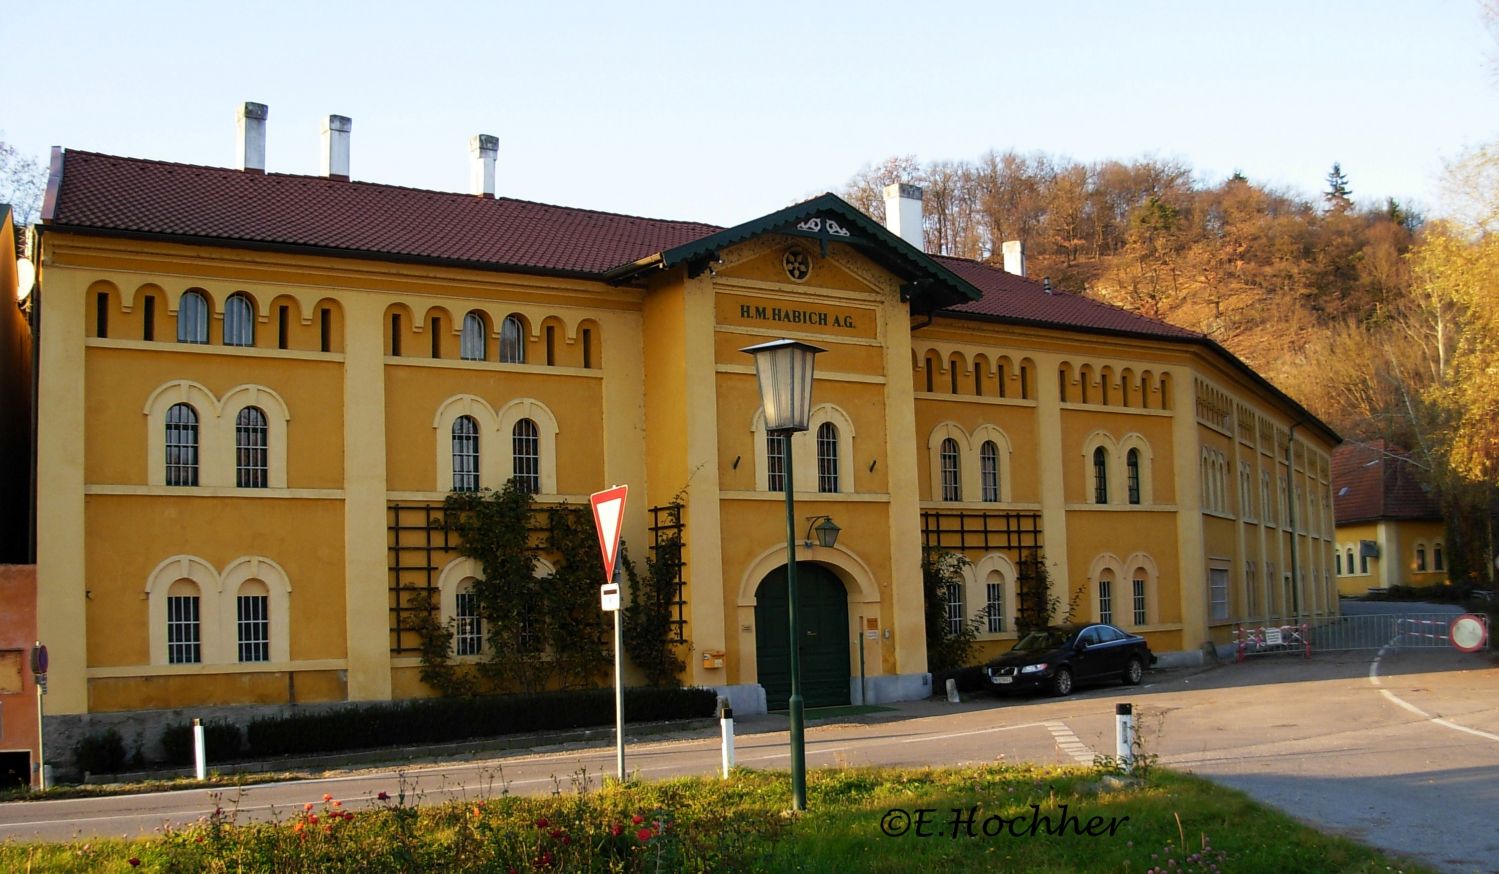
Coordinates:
1291 516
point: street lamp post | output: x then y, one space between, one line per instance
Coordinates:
784 371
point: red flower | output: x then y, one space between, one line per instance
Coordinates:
567 839
637 819
542 823
383 796
643 835
616 830
556 834
327 796
307 807
134 862
312 818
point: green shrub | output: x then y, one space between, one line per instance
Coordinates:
224 740
440 720
101 752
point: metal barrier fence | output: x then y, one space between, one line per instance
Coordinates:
1304 635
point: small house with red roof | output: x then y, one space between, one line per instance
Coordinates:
1390 528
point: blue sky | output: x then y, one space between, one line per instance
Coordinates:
723 112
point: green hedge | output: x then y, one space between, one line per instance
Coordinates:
100 752
440 720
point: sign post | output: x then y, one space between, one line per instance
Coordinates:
39 672
608 514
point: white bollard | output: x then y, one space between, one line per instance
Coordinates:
952 692
1124 747
726 722
200 754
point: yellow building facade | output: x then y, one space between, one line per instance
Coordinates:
255 389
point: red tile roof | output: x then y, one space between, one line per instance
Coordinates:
1377 481
106 193
1017 299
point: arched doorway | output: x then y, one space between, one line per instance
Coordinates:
823 616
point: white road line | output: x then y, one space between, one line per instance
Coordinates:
1436 720
1069 742
927 738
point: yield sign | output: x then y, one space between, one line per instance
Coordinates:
608 513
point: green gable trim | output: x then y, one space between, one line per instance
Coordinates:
827 218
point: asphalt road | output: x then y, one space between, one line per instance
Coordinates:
1407 760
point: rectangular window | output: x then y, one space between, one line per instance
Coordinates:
1139 599
468 637
283 319
254 628
1001 370
101 314
587 349
436 336
148 318
954 609
978 380
395 334
551 346
775 462
1105 601
1249 587
325 329
1218 593
1025 383
995 593
184 647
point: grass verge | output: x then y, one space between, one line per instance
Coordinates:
981 818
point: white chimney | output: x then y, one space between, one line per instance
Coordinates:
484 149
251 118
1014 251
336 146
903 213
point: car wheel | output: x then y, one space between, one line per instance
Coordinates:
1061 682
1135 672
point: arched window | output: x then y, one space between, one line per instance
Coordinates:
239 321
994 597
953 596
468 631
827 457
1100 476
192 318
184 624
474 344
989 471
1106 597
251 461
182 446
775 462
1349 563
1337 559
1420 558
1139 599
1437 562
465 454
952 482
253 621
526 455
512 341
1132 468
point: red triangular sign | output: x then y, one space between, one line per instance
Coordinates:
608 516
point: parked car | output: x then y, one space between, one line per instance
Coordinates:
1057 659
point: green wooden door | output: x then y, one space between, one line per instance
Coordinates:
824 630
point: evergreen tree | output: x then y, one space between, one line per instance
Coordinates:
1338 195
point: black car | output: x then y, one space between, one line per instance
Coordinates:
1056 659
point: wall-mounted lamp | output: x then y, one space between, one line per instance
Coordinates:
826 532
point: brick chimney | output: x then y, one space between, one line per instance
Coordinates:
336 131
251 118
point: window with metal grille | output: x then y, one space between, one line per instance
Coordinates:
954 599
1218 593
526 452
989 470
1132 467
1100 476
182 445
468 636
1105 600
465 454
827 457
952 484
775 462
473 345
239 321
192 318
995 594
184 645
1139 598
251 468
512 341
254 627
